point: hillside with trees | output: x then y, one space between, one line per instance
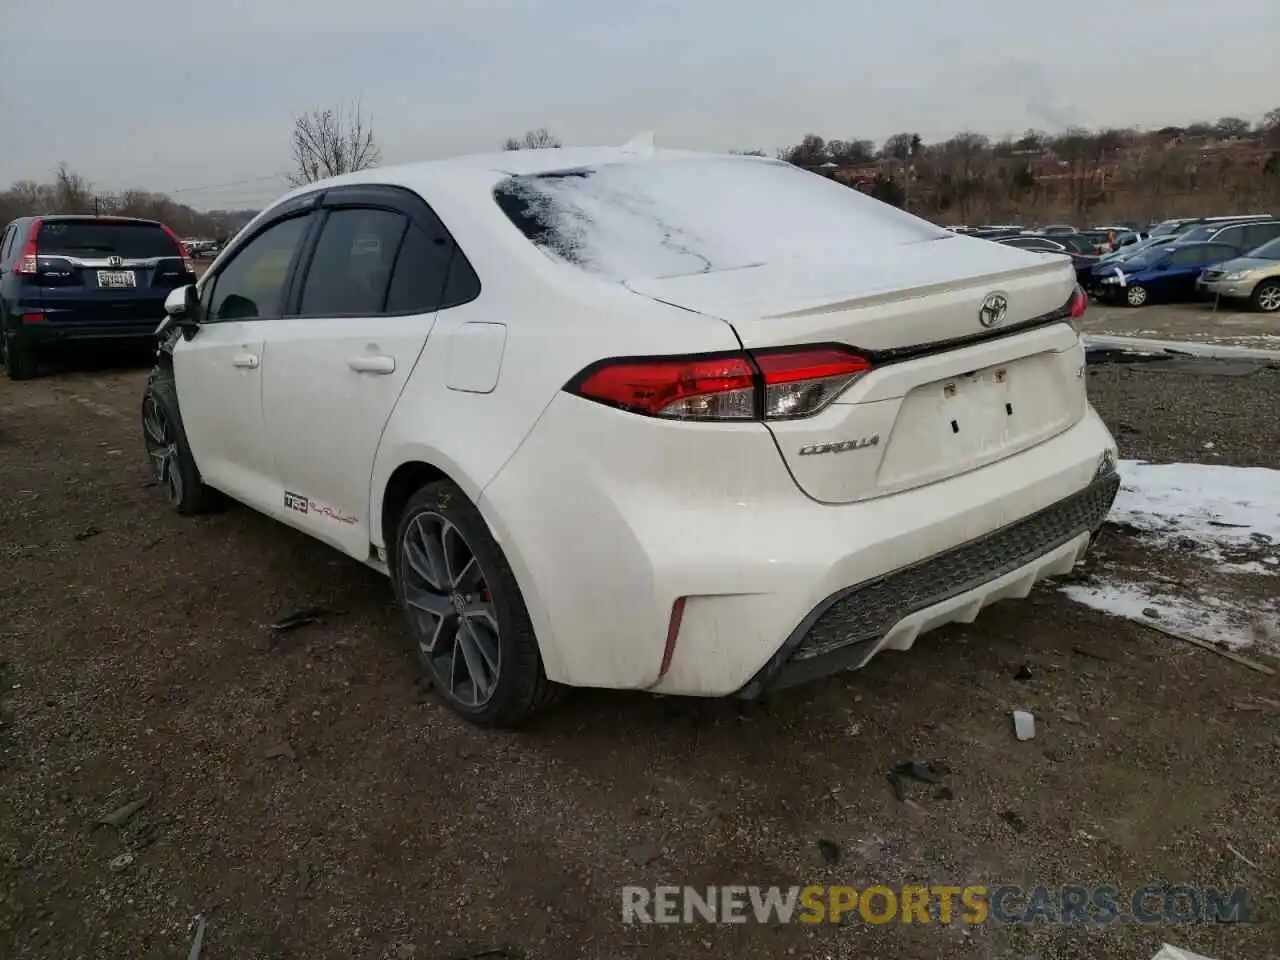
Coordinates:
1077 175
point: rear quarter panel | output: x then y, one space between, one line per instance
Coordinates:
558 319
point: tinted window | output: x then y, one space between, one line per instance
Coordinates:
1231 235
351 268
1268 251
105 238
251 284
6 242
1259 234
1078 244
420 273
1187 257
1217 252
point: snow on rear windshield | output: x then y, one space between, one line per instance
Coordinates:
667 218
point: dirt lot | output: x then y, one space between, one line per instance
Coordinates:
304 797
1225 323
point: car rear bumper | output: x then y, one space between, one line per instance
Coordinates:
889 612
773 587
45 332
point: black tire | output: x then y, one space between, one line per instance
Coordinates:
167 447
1266 297
521 689
20 362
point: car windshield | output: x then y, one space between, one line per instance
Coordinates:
121 238
678 216
1268 251
1164 229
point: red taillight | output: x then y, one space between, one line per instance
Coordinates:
29 263
705 388
1079 303
187 264
769 385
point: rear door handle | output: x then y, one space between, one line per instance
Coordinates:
381 365
246 360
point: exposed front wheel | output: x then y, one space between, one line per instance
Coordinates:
471 630
166 443
1136 295
1266 297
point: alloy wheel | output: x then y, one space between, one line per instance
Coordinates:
451 609
1136 296
1269 299
162 448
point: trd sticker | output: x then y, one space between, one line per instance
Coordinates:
296 503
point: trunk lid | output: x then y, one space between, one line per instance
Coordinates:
884 299
946 393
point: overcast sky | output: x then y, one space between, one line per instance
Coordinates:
190 96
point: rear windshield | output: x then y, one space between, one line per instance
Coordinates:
673 217
81 238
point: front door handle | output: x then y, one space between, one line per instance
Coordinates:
247 360
381 365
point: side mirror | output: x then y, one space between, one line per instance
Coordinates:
182 310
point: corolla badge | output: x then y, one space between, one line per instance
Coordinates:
994 309
841 446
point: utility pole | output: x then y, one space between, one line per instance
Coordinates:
97 206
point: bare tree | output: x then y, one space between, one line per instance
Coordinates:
72 191
332 141
540 139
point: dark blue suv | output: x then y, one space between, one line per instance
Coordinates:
65 278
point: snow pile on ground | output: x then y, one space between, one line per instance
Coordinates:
1230 516
1216 507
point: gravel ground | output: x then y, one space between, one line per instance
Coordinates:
1168 410
301 794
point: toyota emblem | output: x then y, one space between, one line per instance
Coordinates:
994 309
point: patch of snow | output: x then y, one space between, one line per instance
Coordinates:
1204 617
1216 506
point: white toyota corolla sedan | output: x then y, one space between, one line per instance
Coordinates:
640 419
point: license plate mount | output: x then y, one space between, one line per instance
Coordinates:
979 409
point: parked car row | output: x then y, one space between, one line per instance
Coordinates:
1234 258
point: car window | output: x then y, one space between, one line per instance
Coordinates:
251 285
1268 251
1186 256
102 238
1231 235
5 243
1218 252
351 268
683 215
1260 233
